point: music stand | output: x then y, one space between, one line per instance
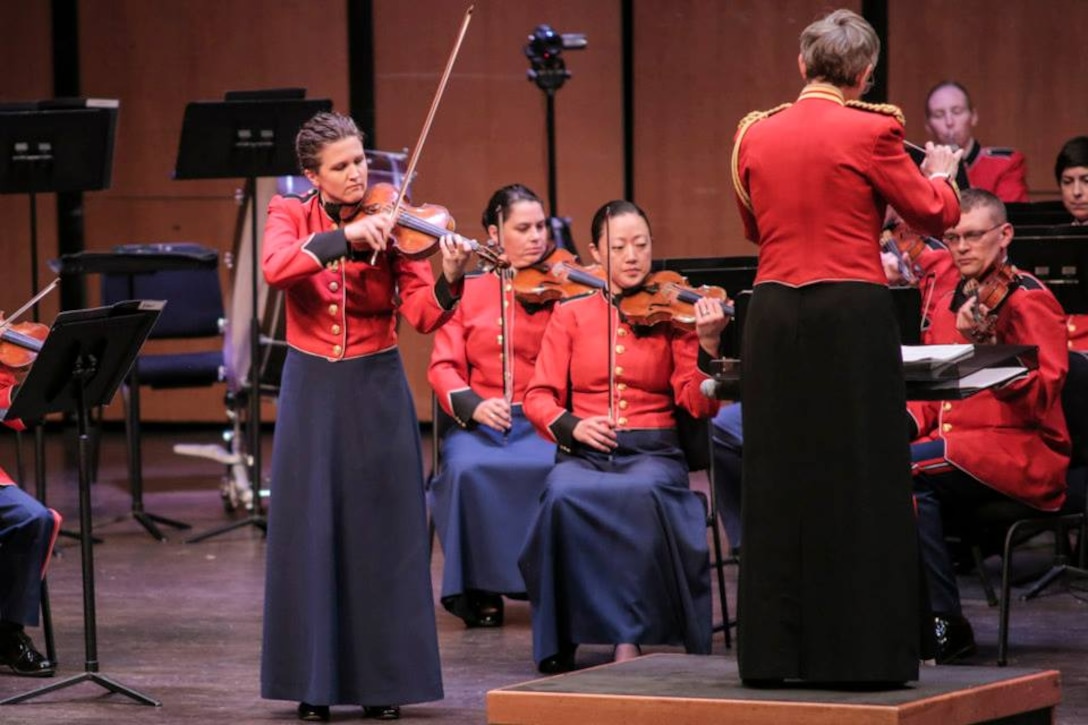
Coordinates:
250 135
81 364
1058 256
52 146
130 260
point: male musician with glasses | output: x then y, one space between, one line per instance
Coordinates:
951 119
1008 442
27 533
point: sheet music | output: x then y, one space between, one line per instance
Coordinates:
936 353
982 379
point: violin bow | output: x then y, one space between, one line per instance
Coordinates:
611 320
505 293
414 159
30 303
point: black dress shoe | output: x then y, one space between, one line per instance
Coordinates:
488 610
313 713
955 639
381 712
561 661
17 653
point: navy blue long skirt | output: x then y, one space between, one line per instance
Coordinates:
618 550
483 502
349 613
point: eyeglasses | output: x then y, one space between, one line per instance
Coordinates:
971 237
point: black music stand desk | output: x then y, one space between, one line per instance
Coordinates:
81 364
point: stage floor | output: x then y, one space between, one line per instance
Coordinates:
681 689
182 622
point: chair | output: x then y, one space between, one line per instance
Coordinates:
441 423
697 444
1021 523
194 309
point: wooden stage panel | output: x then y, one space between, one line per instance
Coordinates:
690 689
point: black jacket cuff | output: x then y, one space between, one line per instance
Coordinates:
327 246
703 362
563 430
448 295
464 403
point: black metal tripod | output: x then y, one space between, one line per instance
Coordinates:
549 71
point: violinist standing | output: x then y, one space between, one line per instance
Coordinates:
28 531
829 588
493 462
349 615
1007 442
617 553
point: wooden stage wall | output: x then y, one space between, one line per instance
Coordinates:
698 67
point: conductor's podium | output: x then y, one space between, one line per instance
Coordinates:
688 689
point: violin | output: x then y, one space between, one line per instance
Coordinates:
667 297
907 245
992 291
418 228
20 344
555 277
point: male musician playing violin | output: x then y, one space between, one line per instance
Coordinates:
28 531
1006 442
349 615
493 466
617 552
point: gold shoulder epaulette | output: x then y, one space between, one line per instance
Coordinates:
742 128
888 109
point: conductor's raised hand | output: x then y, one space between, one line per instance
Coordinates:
456 255
941 159
597 432
369 233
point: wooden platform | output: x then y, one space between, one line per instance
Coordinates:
689 689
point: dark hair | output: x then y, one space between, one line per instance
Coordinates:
949 84
616 207
838 48
505 198
974 198
321 130
1073 153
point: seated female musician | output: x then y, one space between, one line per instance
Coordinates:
1071 173
27 533
617 553
349 614
493 464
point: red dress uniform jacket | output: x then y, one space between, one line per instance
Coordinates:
7 391
939 277
340 309
655 371
1077 326
831 231
1001 171
1012 438
466 362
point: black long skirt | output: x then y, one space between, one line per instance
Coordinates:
829 587
349 612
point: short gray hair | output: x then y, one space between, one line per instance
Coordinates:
837 48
